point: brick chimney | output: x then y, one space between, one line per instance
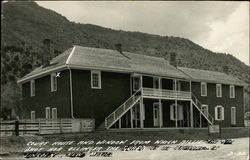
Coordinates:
46 52
118 47
173 60
226 69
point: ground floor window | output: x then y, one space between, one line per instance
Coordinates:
54 113
173 114
32 115
233 115
219 113
47 113
204 109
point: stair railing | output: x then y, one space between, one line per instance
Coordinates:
198 105
122 109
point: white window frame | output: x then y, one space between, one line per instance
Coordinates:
47 113
232 88
204 83
32 88
54 113
235 115
53 86
99 79
206 113
32 115
220 86
216 113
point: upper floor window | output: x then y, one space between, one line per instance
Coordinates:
32 115
136 83
53 82
32 88
219 113
96 79
232 91
203 89
218 90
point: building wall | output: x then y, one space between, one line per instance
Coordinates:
43 98
212 101
99 103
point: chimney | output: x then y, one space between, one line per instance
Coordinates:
226 69
173 60
46 52
118 47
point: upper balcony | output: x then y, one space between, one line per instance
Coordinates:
162 87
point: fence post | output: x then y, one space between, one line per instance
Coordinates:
39 126
17 128
61 125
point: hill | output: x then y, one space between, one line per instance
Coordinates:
26 24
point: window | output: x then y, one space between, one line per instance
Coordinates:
179 112
54 113
47 113
96 79
32 115
233 115
136 83
232 91
203 89
32 88
156 82
219 113
53 82
204 109
218 90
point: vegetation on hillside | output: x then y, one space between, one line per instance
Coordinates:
25 25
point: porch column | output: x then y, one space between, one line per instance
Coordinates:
120 123
191 115
141 113
160 110
131 117
200 121
176 114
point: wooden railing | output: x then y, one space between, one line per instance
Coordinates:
198 105
46 126
122 109
163 93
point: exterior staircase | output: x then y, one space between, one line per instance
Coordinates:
121 110
198 104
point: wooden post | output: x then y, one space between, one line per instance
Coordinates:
39 126
141 112
25 126
200 121
120 122
191 115
131 117
176 114
17 128
61 130
160 110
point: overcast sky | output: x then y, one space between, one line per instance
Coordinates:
217 26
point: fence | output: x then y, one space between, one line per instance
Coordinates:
46 126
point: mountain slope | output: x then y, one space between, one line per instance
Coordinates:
26 24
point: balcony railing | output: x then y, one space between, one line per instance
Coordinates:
163 93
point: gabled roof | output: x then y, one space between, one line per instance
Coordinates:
108 60
211 76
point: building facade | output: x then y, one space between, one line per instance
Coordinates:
125 90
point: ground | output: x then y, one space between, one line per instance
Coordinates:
239 149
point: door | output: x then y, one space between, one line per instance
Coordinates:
233 116
156 114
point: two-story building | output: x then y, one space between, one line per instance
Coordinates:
125 90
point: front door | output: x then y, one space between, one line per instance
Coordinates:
156 115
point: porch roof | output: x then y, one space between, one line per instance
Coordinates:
211 76
109 60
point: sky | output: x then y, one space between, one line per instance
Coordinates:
218 26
